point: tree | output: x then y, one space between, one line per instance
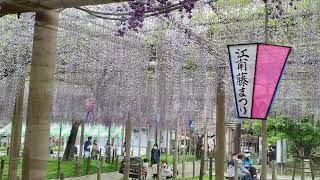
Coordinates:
71 140
302 134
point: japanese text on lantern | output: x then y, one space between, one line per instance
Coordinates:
242 79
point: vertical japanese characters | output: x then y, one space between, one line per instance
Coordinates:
242 80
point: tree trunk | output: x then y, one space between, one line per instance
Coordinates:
159 145
176 149
36 149
139 146
220 128
109 139
128 146
82 137
302 165
167 145
294 168
149 143
80 156
170 140
59 159
16 128
60 134
122 139
71 140
205 145
184 150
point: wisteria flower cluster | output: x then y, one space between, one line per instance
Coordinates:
132 15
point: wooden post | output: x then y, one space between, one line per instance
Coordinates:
40 100
195 146
78 167
158 142
8 145
79 161
59 167
210 168
16 128
99 174
264 132
205 153
81 140
202 164
264 151
100 155
274 172
236 168
176 148
148 143
1 169
122 139
113 156
193 168
302 169
184 150
109 139
61 176
170 139
139 146
312 169
116 165
128 146
59 159
88 166
220 127
237 139
167 145
294 167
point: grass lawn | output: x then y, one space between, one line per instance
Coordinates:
67 168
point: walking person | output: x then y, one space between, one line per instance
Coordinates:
244 174
231 167
107 150
86 147
155 159
95 150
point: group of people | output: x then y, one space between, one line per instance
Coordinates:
245 169
91 149
165 170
